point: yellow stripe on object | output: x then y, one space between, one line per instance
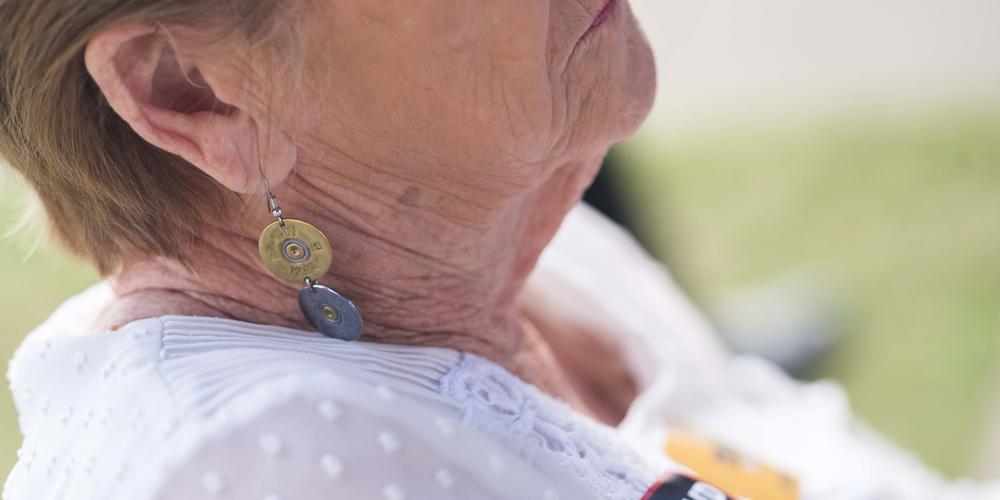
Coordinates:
730 472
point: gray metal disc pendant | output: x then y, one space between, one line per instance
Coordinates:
331 313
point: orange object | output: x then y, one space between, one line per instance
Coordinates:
728 470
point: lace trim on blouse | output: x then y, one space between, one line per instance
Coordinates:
530 423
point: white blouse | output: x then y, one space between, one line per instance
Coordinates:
188 408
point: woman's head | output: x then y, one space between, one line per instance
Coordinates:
138 120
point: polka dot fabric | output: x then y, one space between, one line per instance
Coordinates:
185 408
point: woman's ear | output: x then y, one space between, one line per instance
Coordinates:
190 108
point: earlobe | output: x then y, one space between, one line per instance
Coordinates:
168 102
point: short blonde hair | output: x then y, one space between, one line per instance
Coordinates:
107 192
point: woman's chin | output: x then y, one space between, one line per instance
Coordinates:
638 86
628 74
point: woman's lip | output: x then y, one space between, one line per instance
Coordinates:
603 15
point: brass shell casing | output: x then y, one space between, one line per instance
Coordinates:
295 250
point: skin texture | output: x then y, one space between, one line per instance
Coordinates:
437 143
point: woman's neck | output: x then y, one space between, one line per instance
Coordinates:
425 266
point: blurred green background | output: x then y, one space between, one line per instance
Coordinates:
874 158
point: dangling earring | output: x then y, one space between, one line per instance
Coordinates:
299 252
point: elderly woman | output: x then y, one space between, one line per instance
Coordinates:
317 222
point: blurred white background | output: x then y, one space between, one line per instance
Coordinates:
719 59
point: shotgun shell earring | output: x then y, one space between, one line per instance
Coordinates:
297 251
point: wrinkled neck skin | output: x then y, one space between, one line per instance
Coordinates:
430 262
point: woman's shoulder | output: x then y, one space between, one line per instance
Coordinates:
301 416
188 407
170 403
183 407
364 420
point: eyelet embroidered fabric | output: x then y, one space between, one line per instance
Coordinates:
184 408
532 423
